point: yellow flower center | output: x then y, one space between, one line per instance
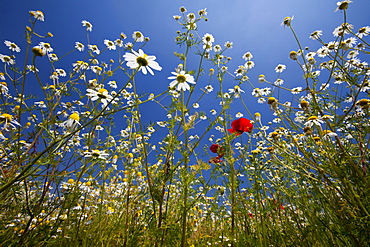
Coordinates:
75 116
181 78
142 61
271 100
7 117
102 93
95 153
312 118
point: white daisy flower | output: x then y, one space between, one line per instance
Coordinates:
229 44
316 34
79 46
313 120
46 47
88 25
94 49
138 36
249 64
8 120
280 68
38 15
363 31
6 59
12 46
296 90
101 94
209 88
142 61
110 44
72 122
208 39
96 154
247 56
287 20
181 79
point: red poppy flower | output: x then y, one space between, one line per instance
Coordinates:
214 148
217 149
241 125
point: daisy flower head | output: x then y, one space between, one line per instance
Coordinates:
46 47
7 59
278 82
123 36
280 68
208 39
247 56
261 78
202 12
182 9
249 64
88 25
293 55
119 42
38 14
342 5
8 120
209 88
96 154
287 21
296 90
142 61
344 28
217 48
4 87
191 17
240 70
12 46
53 57
313 120
181 80
110 44
316 34
322 52
363 31
229 44
138 36
79 46
101 94
94 48
72 122
61 72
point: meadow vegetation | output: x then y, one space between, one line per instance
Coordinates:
80 166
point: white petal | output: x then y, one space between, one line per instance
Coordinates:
143 69
173 83
155 65
149 69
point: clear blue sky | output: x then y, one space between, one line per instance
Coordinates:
253 25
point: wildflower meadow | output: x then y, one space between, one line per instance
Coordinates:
81 164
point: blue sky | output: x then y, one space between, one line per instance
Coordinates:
252 25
